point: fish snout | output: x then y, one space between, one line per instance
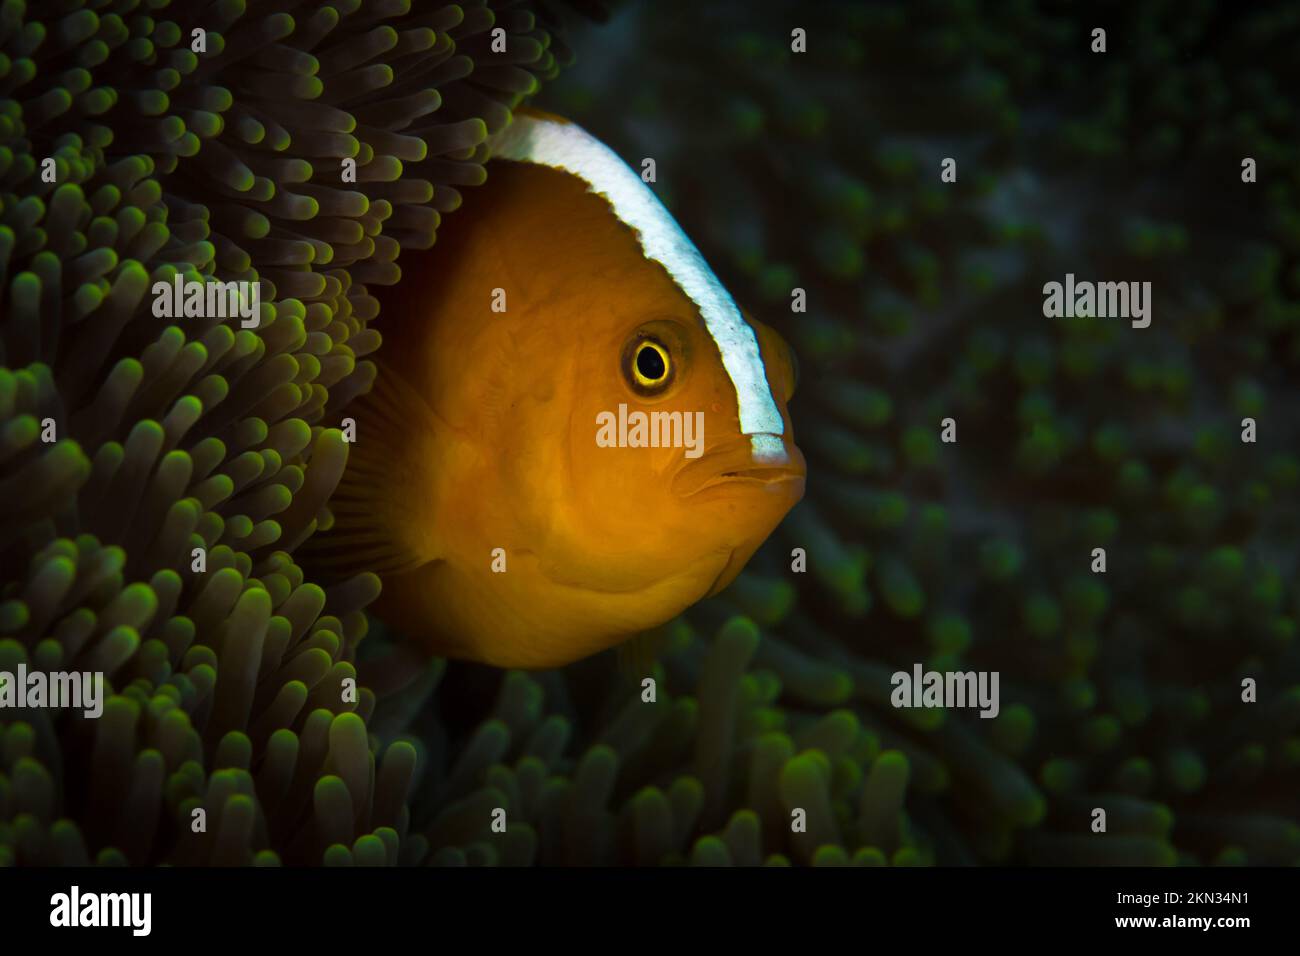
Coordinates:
767 463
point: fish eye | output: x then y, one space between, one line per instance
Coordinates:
648 365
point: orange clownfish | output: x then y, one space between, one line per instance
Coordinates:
575 433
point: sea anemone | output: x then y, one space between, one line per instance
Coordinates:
158 475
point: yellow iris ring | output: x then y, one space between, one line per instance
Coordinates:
641 379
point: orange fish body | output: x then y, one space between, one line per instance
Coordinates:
553 459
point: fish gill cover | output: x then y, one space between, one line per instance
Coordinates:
811 180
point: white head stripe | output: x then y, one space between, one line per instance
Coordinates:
569 147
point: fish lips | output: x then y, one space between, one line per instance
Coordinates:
735 465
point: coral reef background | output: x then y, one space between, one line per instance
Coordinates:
815 170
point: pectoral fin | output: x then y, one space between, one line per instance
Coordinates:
386 505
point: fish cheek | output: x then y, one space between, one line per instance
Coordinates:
624 527
580 497
525 471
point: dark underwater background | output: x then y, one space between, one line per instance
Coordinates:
816 170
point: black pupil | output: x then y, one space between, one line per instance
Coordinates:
650 363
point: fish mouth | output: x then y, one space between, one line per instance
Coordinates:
735 464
